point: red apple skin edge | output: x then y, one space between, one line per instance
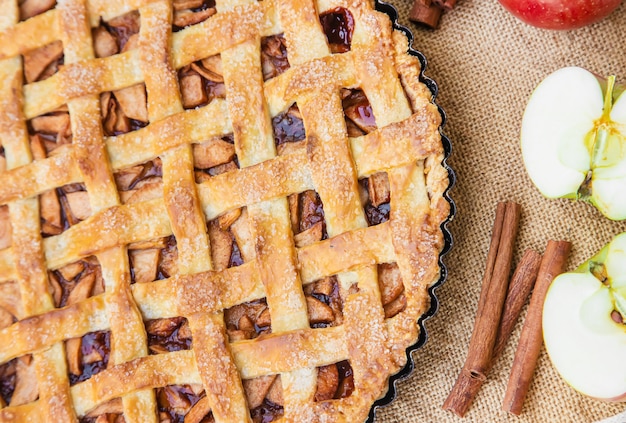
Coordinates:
560 14
621 398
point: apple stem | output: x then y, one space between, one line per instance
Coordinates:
584 191
598 270
608 97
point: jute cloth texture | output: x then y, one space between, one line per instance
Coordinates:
487 64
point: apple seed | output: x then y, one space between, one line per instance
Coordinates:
617 317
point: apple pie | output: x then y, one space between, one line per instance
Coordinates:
211 210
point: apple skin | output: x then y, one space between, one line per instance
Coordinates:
560 14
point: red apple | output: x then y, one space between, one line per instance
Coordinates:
560 14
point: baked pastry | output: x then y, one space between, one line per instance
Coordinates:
211 212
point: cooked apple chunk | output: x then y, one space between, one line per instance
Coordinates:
311 235
379 191
391 289
318 311
42 62
183 18
30 8
26 389
192 91
210 68
133 102
257 389
105 44
327 383
212 153
145 264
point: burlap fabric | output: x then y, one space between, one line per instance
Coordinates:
486 64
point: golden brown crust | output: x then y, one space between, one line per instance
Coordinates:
251 201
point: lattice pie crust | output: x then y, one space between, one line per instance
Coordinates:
211 211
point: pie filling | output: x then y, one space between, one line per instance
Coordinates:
30 8
288 126
62 208
338 25
201 82
167 335
248 320
18 382
214 157
324 303
183 404
189 404
75 282
266 412
43 62
391 289
7 381
375 198
334 381
88 355
191 12
120 113
112 36
109 412
274 59
105 417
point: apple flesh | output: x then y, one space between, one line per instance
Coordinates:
583 324
560 14
573 140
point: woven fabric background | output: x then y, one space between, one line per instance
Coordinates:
486 64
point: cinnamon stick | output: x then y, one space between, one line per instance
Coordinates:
426 12
445 4
530 342
519 289
490 306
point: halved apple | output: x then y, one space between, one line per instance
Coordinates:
583 324
574 140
